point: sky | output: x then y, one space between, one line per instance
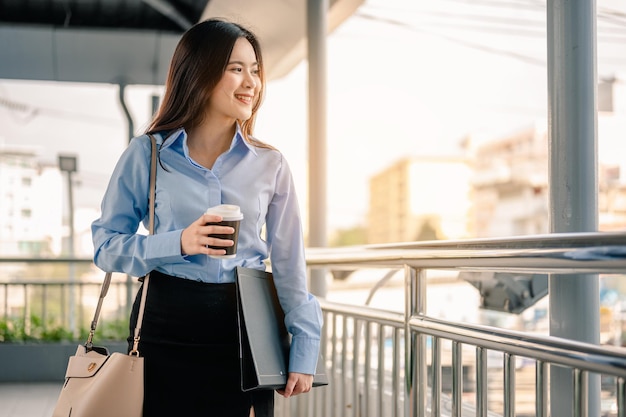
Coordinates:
405 78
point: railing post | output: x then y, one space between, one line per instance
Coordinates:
435 367
580 389
482 381
415 344
541 389
509 385
457 378
621 397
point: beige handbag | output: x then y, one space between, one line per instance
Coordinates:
99 384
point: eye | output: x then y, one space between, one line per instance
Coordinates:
237 69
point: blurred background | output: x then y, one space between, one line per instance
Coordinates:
436 129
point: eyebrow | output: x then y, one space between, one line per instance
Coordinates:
242 63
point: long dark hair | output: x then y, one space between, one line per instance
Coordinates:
198 63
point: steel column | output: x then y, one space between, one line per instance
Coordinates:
572 130
316 37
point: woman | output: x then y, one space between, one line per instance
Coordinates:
207 156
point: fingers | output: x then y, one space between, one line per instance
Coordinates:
297 384
213 234
209 218
196 238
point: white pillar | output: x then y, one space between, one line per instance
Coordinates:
316 37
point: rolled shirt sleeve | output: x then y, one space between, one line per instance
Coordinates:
303 316
304 323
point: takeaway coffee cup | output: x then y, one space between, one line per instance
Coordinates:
231 216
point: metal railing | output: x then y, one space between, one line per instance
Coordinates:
384 363
392 364
45 305
37 299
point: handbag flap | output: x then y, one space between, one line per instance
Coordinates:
84 364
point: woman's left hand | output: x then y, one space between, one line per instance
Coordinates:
296 384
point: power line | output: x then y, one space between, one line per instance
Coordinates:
609 16
526 32
483 22
524 58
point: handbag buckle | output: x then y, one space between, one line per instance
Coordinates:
135 350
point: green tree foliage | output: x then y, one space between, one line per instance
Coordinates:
35 330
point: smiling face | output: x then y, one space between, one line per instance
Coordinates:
238 90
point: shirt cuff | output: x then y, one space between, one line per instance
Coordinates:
303 355
165 247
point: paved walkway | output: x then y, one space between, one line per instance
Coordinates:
28 399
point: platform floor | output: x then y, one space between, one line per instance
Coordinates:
28 399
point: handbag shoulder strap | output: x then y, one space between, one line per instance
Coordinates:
146 279
107 278
153 169
94 322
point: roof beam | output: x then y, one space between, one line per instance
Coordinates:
168 10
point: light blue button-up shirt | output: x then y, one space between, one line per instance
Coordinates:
256 179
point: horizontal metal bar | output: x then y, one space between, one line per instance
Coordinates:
553 253
21 283
384 317
539 241
601 359
63 260
470 262
609 360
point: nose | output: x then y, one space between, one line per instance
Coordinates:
249 81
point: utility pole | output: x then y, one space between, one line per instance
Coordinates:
69 164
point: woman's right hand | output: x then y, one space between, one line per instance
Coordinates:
195 238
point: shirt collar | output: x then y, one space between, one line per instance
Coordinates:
181 135
240 139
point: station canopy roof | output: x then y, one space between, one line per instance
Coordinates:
132 41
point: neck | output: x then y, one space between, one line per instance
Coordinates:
206 143
211 134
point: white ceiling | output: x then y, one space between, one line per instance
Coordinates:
141 56
281 26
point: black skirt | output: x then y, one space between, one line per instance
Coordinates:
190 344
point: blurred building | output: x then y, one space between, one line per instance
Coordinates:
510 178
612 154
31 205
510 183
420 198
500 189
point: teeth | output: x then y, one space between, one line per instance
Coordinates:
244 98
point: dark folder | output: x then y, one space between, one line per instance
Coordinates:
264 340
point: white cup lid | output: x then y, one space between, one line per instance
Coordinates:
227 211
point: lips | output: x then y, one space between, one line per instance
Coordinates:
244 98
